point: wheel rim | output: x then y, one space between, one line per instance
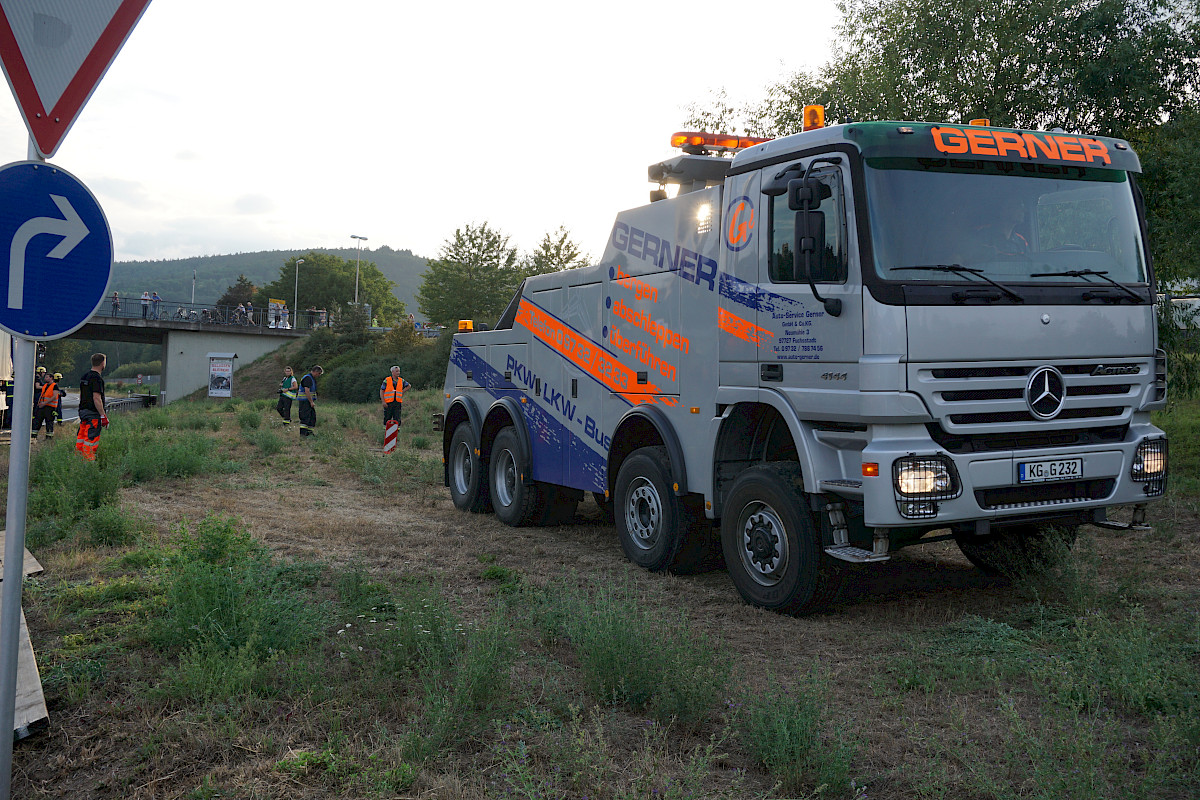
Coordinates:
764 544
505 487
643 514
462 468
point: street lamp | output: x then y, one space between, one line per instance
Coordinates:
357 261
296 294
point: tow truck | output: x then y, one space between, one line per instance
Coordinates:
822 348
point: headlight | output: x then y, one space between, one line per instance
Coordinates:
1149 461
919 482
925 478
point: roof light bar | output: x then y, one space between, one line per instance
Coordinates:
718 141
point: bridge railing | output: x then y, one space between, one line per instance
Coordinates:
136 307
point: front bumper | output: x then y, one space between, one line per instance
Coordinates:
989 482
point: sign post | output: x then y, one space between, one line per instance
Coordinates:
60 249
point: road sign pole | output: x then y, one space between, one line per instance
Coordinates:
14 550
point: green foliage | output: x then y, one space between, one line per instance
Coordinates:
133 369
1170 155
268 442
63 485
1179 336
327 282
474 277
557 251
112 526
225 599
1182 425
786 727
924 60
641 657
249 419
240 292
147 455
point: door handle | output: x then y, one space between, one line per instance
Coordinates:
771 372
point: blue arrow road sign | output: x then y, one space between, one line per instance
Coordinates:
59 247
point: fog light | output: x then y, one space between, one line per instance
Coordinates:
919 509
1149 460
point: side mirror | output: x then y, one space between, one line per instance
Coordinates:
809 248
809 252
806 193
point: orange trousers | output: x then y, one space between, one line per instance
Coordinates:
87 442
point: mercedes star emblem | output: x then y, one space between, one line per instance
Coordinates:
1045 392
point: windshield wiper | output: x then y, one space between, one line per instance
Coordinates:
959 269
1083 273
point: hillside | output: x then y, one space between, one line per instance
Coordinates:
172 278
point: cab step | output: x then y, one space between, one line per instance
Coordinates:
855 555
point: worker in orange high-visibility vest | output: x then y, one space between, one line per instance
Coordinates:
46 405
92 417
391 394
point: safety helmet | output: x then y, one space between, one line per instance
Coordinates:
58 376
41 369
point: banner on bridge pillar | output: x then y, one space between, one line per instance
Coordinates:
220 374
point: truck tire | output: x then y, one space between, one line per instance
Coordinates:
771 544
468 483
515 497
1017 550
654 524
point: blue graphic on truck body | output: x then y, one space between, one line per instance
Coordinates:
560 455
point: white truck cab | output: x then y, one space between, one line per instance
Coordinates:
831 345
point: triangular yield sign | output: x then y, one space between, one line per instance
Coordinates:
54 55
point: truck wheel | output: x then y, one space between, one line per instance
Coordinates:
1018 550
771 545
468 484
650 518
514 496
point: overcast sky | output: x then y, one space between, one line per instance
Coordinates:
239 125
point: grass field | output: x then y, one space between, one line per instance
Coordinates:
229 611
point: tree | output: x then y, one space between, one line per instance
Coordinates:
1170 179
1097 66
473 277
555 252
240 292
327 282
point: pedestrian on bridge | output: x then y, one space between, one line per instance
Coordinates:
92 417
308 399
155 300
116 303
145 305
287 393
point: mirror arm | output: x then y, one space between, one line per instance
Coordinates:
833 306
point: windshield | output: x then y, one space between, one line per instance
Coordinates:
1008 221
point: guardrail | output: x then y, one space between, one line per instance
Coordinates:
132 307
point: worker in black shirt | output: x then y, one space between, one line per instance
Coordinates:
308 399
92 417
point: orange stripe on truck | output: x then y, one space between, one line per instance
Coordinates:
743 329
585 354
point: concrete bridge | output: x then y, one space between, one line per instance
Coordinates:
186 344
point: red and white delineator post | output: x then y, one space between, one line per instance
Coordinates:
390 431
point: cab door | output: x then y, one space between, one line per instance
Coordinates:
810 344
